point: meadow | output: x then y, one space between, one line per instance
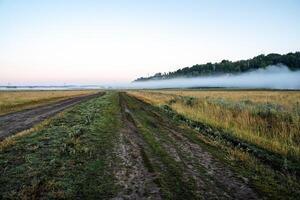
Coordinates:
267 119
11 101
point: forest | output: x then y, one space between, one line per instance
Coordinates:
291 60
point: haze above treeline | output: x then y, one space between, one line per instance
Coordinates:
290 60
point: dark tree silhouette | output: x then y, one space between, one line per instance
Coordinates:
291 60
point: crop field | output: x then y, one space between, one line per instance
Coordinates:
11 101
158 144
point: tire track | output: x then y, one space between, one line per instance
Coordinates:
15 122
213 179
136 180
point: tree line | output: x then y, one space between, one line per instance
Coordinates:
291 60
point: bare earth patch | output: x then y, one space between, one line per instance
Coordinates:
136 181
22 120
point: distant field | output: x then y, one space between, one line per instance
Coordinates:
11 101
268 119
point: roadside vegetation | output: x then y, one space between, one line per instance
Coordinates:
163 135
268 119
11 101
258 129
69 157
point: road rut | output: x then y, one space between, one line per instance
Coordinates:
201 175
15 122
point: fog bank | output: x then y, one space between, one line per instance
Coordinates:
272 77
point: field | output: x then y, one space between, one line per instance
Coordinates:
160 144
268 119
11 101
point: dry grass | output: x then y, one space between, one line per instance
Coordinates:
269 119
285 98
11 101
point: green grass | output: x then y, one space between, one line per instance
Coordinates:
268 119
68 158
268 182
72 155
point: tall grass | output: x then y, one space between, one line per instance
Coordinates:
269 119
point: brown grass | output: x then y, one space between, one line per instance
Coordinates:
285 98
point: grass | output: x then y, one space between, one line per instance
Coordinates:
72 155
67 158
268 119
173 183
11 140
11 101
268 182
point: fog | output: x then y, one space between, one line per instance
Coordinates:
272 77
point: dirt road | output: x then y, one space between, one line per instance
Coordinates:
15 122
159 160
119 147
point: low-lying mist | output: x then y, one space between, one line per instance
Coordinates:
272 77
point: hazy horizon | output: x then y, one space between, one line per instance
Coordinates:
108 42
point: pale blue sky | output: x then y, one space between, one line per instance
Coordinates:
68 41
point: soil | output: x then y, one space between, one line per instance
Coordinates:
134 178
214 180
18 121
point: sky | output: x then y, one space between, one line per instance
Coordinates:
92 42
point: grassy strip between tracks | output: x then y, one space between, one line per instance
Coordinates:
173 183
68 158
